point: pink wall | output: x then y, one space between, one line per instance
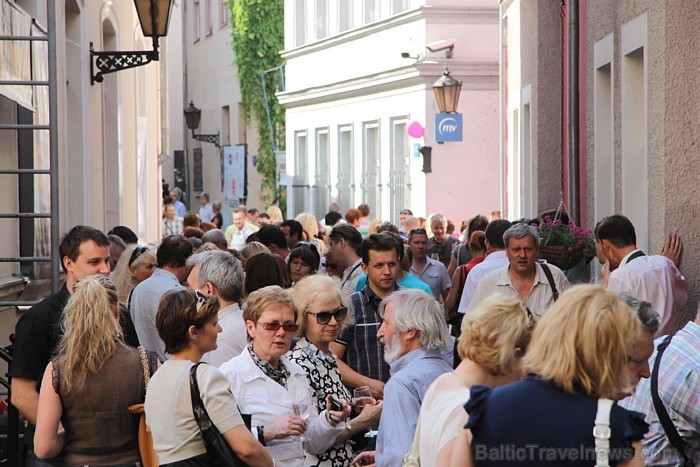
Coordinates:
465 176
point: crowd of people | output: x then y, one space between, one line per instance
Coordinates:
350 341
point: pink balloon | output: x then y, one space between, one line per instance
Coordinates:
415 130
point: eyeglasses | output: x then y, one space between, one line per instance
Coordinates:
306 244
138 251
324 317
202 299
418 230
274 327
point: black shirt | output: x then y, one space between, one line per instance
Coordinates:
37 335
443 250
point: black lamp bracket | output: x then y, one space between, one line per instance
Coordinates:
111 62
213 139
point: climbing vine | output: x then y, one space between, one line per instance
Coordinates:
258 37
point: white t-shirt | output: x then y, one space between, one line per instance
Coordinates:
176 435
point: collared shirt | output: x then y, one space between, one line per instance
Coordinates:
350 277
411 375
443 250
239 237
144 307
538 300
364 353
232 339
180 208
435 275
492 262
679 390
206 213
278 376
408 282
654 279
172 226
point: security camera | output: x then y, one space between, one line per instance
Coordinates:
405 55
447 45
408 55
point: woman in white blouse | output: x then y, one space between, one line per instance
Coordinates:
267 385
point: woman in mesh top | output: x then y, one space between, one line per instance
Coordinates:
90 384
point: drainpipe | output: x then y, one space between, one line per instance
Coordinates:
185 138
573 143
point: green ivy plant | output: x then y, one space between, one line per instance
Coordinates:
258 38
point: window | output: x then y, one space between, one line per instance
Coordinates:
197 31
210 22
323 168
346 187
299 22
370 11
371 169
321 19
300 183
398 6
399 182
223 13
604 131
344 15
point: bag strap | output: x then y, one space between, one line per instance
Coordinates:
145 366
550 279
412 457
200 413
671 432
601 432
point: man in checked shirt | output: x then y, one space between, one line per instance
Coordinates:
359 348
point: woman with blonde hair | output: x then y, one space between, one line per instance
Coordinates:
136 264
310 225
252 249
275 214
578 355
494 338
323 312
89 385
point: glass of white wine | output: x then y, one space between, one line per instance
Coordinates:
362 396
303 404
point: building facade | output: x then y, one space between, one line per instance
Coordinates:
358 73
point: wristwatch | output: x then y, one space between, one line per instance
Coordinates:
348 427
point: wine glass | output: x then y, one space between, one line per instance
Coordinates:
362 396
302 404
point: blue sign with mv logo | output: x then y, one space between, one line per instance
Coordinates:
448 127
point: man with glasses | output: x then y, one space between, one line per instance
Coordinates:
345 241
172 270
358 344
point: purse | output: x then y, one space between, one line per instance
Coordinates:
218 449
149 458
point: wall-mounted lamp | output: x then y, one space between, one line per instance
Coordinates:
447 91
427 152
154 16
192 117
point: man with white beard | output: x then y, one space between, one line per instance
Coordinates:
413 332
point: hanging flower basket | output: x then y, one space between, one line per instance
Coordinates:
564 245
558 256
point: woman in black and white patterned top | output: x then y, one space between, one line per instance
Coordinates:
323 311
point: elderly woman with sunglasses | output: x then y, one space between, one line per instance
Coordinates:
274 390
323 311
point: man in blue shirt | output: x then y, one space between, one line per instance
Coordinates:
413 332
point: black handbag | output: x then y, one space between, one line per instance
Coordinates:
218 449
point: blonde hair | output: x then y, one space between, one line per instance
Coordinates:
252 249
315 289
582 342
275 213
373 226
309 224
89 328
492 331
265 298
123 280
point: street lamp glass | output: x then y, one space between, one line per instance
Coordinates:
154 16
192 116
447 91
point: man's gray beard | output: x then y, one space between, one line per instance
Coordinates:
392 349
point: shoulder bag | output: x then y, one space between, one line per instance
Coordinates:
218 449
671 432
149 458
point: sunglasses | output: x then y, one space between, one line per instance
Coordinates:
324 317
306 244
202 299
274 327
418 230
138 251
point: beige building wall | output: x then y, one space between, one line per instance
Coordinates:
644 50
